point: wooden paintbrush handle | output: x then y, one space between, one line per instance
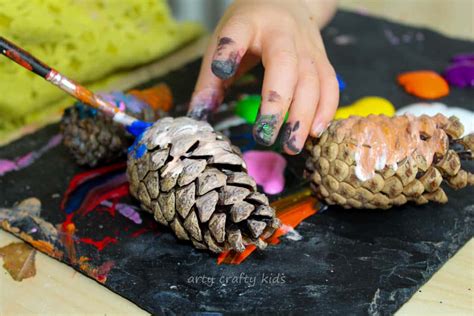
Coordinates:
28 61
23 58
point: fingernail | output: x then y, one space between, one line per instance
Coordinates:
319 129
203 103
264 130
289 138
226 59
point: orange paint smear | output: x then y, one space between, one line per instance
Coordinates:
379 141
41 245
67 231
159 97
291 211
424 84
86 96
98 273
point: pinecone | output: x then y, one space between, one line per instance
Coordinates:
93 138
380 162
193 180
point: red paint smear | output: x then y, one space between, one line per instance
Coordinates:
139 232
85 176
99 244
152 226
104 270
291 216
95 197
17 58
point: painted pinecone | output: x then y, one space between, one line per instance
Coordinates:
331 167
193 180
93 138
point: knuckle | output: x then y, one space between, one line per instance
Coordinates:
309 75
286 57
236 22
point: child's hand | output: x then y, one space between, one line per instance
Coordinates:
298 75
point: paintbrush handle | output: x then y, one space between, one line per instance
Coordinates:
28 61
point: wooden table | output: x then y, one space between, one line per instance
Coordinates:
59 289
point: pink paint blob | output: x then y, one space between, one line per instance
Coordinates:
27 159
267 168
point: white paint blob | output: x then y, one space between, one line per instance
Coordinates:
465 116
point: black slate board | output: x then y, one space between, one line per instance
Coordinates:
348 262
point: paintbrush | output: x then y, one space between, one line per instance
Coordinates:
33 64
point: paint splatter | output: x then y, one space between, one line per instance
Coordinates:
159 97
465 116
267 168
28 212
127 210
461 71
289 137
273 96
291 211
225 69
99 244
264 129
26 160
88 189
425 84
19 260
203 103
226 59
366 106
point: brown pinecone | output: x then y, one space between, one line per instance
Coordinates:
93 138
193 180
379 162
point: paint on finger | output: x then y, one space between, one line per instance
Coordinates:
289 136
265 128
273 96
203 103
226 59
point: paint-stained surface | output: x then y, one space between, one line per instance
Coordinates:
333 262
19 260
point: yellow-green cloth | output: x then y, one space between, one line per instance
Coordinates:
86 40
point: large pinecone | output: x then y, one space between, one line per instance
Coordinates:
379 162
93 138
193 180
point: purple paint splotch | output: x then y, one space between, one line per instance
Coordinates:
461 71
8 165
127 210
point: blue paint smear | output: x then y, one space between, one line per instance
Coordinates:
138 127
134 146
140 151
84 110
342 84
76 197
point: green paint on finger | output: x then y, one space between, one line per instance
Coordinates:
247 108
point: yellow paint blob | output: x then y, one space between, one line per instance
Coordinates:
366 106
